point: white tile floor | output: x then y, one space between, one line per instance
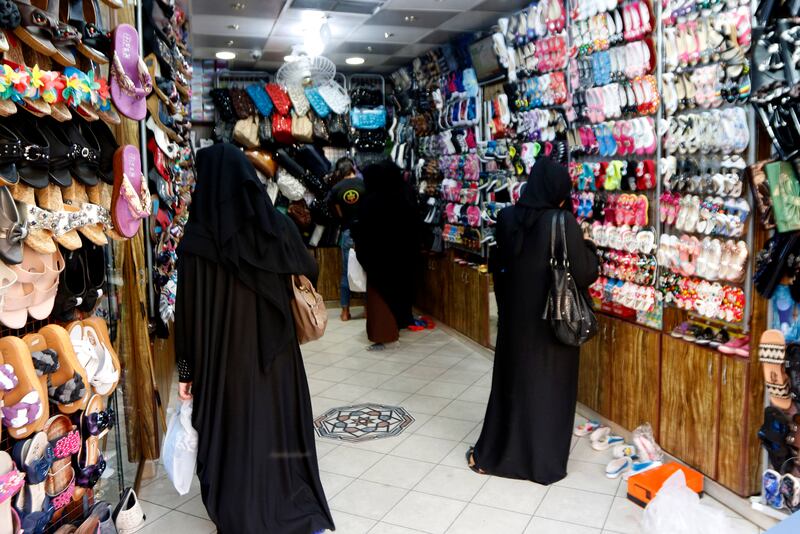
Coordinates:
418 482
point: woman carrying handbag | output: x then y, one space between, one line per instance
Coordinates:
528 425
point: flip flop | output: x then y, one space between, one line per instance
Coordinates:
131 198
130 79
69 385
25 409
772 354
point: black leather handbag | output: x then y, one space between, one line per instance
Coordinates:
568 309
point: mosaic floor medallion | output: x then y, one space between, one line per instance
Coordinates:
363 422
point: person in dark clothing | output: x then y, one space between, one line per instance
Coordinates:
344 198
239 358
528 425
386 236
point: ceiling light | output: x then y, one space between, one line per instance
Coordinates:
238 6
290 58
233 26
386 35
354 60
224 54
410 18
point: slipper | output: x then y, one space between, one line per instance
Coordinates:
35 458
602 439
25 407
94 262
69 385
586 428
11 481
102 369
170 149
131 198
92 217
772 354
621 451
90 464
77 93
101 97
14 308
46 286
162 118
130 79
97 329
640 467
618 466
62 225
36 28
108 147
65 441
52 89
39 237
22 92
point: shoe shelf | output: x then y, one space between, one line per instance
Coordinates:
706 231
613 144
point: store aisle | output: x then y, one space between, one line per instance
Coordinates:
418 482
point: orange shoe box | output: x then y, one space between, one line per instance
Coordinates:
644 486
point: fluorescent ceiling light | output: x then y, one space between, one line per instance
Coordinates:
224 54
354 61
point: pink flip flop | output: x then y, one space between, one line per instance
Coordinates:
130 202
130 78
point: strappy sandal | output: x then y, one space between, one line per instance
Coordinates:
86 17
772 353
65 441
35 457
131 198
68 385
130 79
11 481
71 290
25 408
90 462
471 461
94 262
100 362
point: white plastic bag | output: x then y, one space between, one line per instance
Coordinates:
356 277
179 453
676 509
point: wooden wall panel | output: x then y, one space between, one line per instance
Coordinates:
329 260
732 460
689 403
635 375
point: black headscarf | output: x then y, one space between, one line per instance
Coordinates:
233 223
548 188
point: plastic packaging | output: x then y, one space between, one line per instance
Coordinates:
179 454
356 277
677 509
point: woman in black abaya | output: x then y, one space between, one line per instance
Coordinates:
238 354
528 425
386 237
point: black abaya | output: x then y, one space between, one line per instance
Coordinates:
235 338
528 424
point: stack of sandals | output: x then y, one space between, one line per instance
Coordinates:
780 433
76 369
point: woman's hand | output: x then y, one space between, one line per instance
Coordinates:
185 390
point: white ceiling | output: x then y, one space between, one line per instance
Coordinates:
273 27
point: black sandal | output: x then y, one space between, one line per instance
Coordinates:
471 462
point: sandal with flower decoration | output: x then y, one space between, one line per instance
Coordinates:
78 92
21 84
130 79
65 441
131 199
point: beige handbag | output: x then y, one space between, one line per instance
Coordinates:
245 132
308 308
302 129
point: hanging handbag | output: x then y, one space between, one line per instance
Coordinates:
318 103
245 132
568 310
279 97
223 104
785 192
320 128
308 309
242 103
260 98
302 130
282 129
300 214
299 100
289 186
338 130
265 131
760 187
335 96
368 118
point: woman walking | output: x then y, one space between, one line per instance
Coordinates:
386 237
528 425
238 355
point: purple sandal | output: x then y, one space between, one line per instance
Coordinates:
130 78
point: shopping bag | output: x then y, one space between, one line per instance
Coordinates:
179 453
356 277
676 508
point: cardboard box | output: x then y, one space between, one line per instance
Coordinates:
644 486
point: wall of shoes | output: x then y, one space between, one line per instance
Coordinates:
776 190
72 80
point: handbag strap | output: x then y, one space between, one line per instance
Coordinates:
563 231
553 236
558 233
